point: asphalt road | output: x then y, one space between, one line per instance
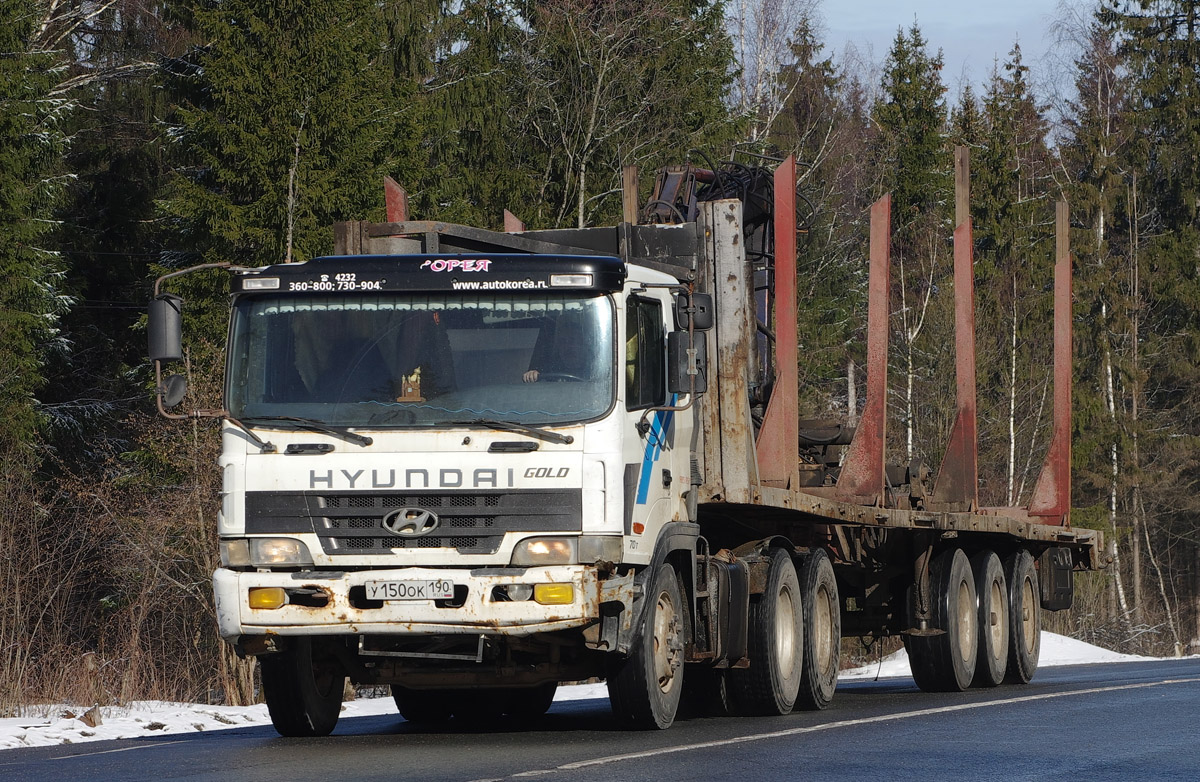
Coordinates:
1123 721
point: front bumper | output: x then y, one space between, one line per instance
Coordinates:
478 614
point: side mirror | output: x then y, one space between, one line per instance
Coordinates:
686 360
172 391
165 328
700 309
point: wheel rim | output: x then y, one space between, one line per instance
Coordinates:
965 609
1028 620
785 630
823 627
668 649
997 628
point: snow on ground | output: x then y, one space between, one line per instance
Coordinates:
1056 650
49 725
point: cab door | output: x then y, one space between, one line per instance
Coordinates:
651 476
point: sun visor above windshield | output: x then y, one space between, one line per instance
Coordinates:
493 272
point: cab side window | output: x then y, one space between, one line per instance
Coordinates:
645 355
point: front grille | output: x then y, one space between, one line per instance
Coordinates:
470 522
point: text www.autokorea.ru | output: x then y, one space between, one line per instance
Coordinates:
498 285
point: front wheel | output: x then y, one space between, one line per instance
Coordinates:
303 687
644 688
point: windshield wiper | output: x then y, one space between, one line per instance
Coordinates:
512 426
316 426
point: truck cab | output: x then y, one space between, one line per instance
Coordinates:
441 471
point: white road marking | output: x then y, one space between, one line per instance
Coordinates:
833 725
122 749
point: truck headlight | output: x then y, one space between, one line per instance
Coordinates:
545 551
264 552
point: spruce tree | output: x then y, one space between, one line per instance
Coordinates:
291 115
913 156
32 118
912 116
1012 211
822 123
1160 48
109 237
472 100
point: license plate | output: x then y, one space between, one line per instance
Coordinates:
433 589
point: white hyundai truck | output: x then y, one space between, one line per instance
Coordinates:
473 465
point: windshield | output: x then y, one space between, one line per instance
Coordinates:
422 359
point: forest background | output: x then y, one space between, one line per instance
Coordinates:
138 137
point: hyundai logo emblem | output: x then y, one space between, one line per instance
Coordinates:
411 522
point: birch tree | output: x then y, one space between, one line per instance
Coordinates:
626 82
765 33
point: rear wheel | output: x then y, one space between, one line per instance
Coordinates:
776 643
1025 618
478 705
706 693
822 631
645 687
423 705
992 591
303 687
527 703
946 662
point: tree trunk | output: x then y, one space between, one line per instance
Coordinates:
1135 568
582 190
1162 583
1012 400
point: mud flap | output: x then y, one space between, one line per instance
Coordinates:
1056 577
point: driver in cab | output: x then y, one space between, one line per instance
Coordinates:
568 359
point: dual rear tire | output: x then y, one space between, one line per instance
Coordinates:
822 631
946 662
775 645
1025 618
990 615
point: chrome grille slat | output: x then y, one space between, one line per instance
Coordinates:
471 522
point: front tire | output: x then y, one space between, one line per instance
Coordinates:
644 688
1025 618
303 687
822 631
776 643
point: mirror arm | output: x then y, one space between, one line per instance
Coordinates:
158 396
158 283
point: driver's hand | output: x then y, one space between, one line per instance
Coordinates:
530 377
